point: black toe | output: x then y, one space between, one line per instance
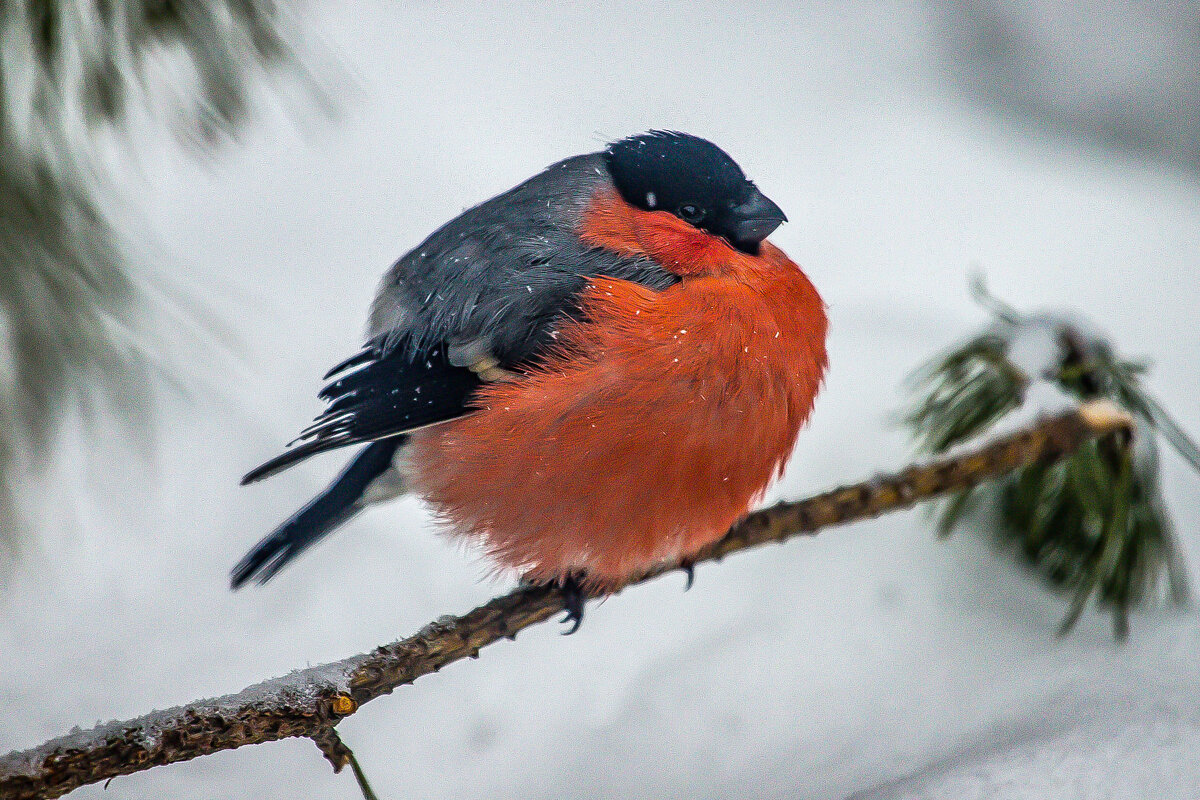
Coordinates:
574 598
689 567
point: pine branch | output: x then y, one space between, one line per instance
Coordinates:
1094 525
310 702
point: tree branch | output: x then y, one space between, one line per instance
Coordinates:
310 702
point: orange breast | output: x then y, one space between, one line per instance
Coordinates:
655 423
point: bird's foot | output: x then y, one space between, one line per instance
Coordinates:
574 597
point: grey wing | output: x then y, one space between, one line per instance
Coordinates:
497 279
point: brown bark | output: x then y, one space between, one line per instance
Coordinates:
310 702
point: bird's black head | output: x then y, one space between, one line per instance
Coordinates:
696 181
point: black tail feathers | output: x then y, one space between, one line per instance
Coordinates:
338 503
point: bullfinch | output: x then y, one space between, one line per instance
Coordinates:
594 372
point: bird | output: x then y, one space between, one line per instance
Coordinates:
593 373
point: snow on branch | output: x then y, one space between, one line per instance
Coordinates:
310 702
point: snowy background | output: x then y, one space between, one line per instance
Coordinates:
870 662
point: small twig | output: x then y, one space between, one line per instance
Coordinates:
332 747
339 755
310 702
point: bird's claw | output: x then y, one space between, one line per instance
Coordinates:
688 566
574 598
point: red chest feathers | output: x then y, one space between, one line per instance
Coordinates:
651 429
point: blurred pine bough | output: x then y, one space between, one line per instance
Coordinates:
70 306
1095 524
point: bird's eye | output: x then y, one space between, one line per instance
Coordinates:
690 212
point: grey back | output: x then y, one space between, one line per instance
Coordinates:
497 277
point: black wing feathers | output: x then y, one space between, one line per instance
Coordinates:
282 461
364 356
387 395
393 394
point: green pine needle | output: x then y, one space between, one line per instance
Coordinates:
1095 525
364 785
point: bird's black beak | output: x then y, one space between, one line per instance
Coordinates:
754 220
